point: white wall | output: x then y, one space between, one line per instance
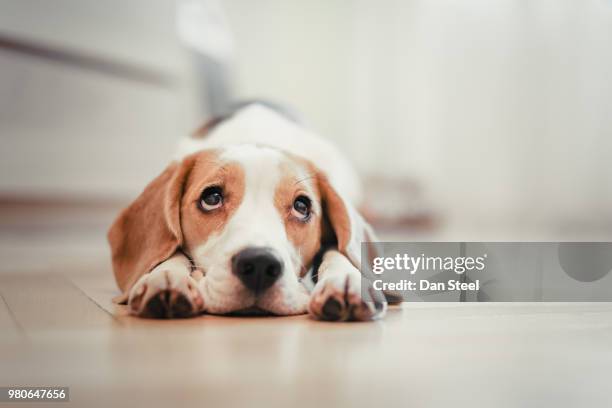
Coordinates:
69 130
501 109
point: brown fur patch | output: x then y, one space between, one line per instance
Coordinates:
198 225
336 211
305 236
148 231
331 224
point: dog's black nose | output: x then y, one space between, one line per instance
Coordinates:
257 268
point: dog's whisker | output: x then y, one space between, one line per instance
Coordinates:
305 179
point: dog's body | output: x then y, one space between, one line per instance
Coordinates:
251 204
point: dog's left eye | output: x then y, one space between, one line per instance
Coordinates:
301 207
212 198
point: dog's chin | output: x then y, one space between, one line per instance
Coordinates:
265 307
251 311
276 301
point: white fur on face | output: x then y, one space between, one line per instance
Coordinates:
256 223
256 124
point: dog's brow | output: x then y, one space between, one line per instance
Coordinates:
305 179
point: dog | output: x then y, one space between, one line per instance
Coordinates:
252 206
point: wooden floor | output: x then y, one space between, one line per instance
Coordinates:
59 327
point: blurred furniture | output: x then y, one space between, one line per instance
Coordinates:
93 96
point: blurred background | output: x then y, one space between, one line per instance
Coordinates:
469 120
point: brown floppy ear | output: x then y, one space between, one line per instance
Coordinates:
149 231
348 225
351 230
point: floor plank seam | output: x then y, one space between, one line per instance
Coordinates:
98 305
11 314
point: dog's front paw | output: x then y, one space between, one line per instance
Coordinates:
165 294
339 298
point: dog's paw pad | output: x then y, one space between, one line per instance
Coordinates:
165 295
332 310
168 304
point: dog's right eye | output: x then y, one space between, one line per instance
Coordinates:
211 199
302 208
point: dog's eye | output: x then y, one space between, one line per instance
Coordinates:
212 198
301 207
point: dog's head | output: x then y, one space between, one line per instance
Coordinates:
252 218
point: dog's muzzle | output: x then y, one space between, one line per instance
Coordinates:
257 268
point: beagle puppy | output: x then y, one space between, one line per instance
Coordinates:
251 204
